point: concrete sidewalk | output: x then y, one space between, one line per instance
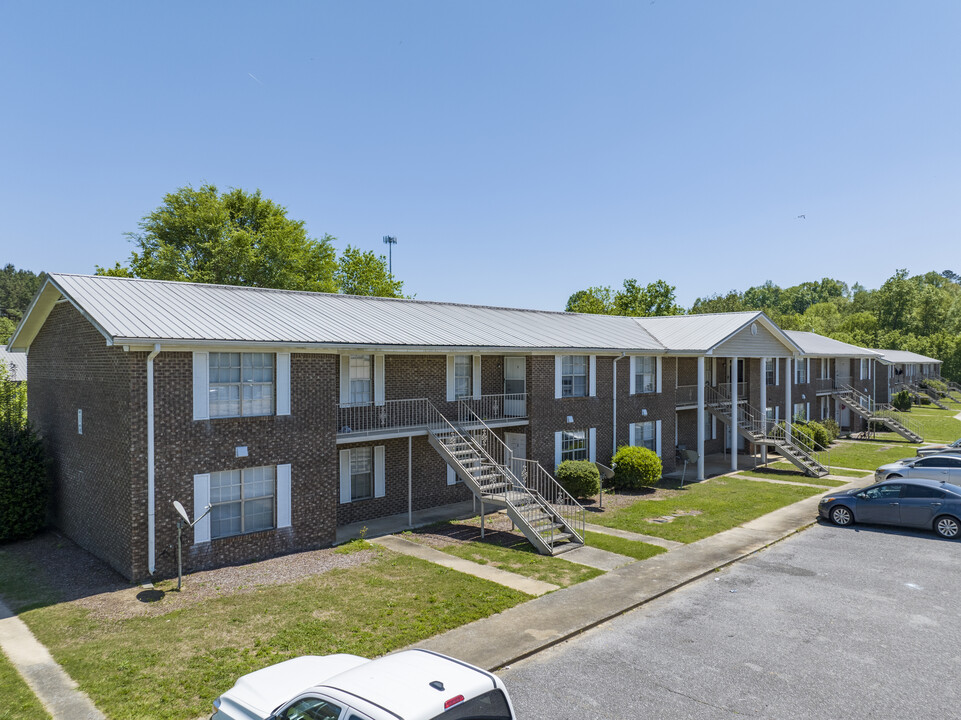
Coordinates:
56 690
525 629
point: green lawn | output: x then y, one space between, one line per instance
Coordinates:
723 503
523 559
936 425
790 476
19 702
869 454
174 665
630 548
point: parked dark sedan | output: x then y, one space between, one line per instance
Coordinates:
914 502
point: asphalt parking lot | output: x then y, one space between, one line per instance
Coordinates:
857 622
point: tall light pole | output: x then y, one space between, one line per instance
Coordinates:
390 242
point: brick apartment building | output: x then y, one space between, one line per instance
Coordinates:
290 414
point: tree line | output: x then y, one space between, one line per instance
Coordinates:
920 313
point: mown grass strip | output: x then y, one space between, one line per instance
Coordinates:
523 559
720 504
622 546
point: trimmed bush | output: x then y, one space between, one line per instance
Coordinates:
635 467
579 477
902 401
834 430
822 437
23 483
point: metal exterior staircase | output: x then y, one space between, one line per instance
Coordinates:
756 428
933 395
549 517
882 413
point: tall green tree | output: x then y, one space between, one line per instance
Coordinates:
17 288
655 298
241 238
362 272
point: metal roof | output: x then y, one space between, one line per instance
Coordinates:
126 309
892 357
16 364
819 345
700 333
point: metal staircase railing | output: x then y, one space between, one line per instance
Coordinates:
883 413
798 446
547 515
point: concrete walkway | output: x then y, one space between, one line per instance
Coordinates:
55 689
596 558
525 629
487 572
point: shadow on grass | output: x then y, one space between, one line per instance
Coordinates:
468 532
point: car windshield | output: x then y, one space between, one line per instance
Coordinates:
956 443
489 706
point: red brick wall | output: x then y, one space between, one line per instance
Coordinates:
92 474
305 439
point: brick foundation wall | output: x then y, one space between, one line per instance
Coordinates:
72 368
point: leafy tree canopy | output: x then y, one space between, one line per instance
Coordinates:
241 238
17 288
656 298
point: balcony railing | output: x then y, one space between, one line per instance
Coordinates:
364 419
823 384
493 407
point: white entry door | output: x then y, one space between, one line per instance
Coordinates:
517 444
515 386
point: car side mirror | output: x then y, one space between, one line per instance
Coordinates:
861 496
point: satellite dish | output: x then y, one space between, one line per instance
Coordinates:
180 509
606 472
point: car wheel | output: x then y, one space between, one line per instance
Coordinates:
947 527
841 515
893 476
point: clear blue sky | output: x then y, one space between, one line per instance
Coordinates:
518 150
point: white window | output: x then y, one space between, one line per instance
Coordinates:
645 374
361 474
769 376
800 411
770 416
800 372
242 501
645 435
574 376
241 384
463 370
866 368
359 376
825 368
574 445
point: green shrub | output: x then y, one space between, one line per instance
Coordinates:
822 438
579 477
924 400
635 467
902 401
834 430
23 483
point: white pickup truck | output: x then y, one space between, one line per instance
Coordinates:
407 685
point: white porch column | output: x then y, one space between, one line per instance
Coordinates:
788 406
764 405
733 413
700 417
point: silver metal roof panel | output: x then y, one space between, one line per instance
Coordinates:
897 357
819 345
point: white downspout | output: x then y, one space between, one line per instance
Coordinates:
614 422
151 540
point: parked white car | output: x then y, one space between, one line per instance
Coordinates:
932 467
407 685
